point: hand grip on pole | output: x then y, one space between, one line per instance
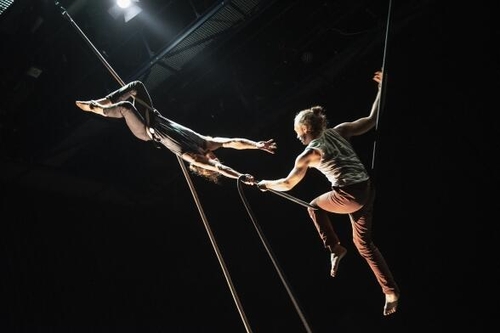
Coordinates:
287 196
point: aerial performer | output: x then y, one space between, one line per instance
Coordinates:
133 103
352 191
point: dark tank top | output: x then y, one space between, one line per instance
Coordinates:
176 137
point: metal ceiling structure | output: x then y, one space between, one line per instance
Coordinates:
217 24
4 4
202 59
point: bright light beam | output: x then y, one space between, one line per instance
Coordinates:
125 9
123 3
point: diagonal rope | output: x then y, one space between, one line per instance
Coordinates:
215 246
271 254
184 170
292 198
305 204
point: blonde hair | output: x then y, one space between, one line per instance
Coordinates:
210 175
313 118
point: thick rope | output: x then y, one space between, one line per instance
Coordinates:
292 198
270 253
184 169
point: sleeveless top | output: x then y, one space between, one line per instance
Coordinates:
176 137
339 162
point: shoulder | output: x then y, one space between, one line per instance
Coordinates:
212 143
309 155
342 129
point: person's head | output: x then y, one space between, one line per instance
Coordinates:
310 123
208 174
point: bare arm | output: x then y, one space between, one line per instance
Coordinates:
231 173
364 124
302 163
240 144
214 165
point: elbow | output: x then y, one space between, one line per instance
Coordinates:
287 185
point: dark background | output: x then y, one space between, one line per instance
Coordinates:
100 232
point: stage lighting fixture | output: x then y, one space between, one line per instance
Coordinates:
123 3
128 9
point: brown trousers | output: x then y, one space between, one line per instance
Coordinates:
357 201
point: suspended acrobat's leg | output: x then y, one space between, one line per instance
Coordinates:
136 89
91 106
123 109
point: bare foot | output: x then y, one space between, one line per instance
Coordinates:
85 105
338 253
90 106
391 303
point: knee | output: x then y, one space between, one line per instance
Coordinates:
125 107
136 84
363 246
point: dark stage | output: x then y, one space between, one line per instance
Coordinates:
100 232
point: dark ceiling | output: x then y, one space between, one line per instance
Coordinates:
229 68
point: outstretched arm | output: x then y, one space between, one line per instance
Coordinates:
231 173
241 143
307 158
364 124
203 162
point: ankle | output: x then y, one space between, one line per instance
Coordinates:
337 248
391 297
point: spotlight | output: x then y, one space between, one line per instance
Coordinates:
126 8
123 3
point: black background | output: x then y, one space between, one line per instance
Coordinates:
100 232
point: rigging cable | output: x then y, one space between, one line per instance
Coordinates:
184 170
383 83
268 247
305 204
